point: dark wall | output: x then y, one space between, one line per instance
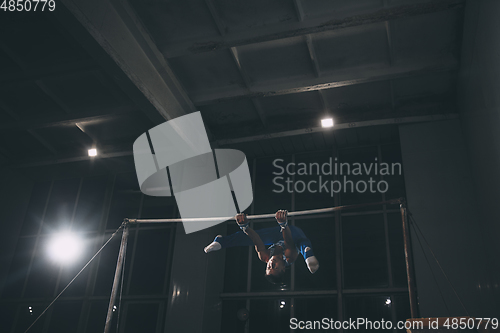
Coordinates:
14 197
479 107
441 197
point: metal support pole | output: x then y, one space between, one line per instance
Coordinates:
410 275
116 281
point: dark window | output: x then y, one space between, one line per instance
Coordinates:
364 252
43 274
266 196
7 316
65 317
150 261
270 315
126 200
34 214
90 203
158 207
236 266
97 317
307 187
233 316
124 205
61 205
141 317
19 268
391 154
354 190
315 309
107 264
402 305
372 308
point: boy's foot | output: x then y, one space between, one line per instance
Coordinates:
214 246
312 264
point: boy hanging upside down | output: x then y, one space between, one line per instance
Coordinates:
285 244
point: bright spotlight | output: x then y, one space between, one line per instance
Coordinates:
327 122
93 152
388 301
65 247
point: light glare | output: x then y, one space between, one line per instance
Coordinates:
65 247
327 122
93 152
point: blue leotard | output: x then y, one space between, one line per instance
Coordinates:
270 236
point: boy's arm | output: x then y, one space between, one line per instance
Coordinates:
260 248
290 249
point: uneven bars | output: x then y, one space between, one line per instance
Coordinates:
269 216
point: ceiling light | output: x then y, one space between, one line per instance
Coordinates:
93 152
327 122
65 247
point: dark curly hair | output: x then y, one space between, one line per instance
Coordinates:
276 278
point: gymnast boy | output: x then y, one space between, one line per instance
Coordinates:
285 244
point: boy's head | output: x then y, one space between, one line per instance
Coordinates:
275 270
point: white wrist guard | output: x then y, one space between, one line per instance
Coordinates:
244 227
283 225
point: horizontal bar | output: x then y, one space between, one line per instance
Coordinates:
370 212
269 216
